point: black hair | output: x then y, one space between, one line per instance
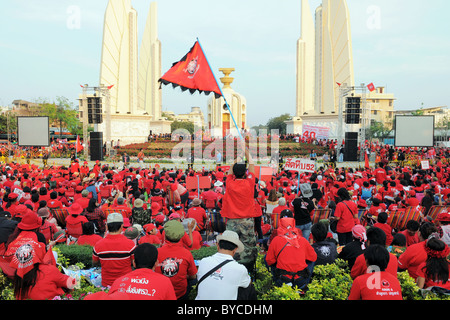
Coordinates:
399 240
426 229
382 217
436 269
114 226
377 255
376 236
413 225
319 231
88 228
145 255
343 194
227 245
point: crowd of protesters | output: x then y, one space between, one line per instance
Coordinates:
143 224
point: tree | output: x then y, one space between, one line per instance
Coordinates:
62 112
189 126
278 123
379 130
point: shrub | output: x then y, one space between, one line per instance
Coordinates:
75 254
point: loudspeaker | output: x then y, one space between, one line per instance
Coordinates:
351 146
96 146
353 110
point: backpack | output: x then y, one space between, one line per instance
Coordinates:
366 193
140 216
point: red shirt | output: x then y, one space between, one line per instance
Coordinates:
410 239
239 197
144 284
387 230
360 266
49 283
199 214
380 175
347 220
413 256
388 287
429 282
115 253
150 238
91 239
176 263
291 259
74 225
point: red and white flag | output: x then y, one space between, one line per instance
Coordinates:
78 145
371 87
192 73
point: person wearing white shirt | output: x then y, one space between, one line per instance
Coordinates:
230 277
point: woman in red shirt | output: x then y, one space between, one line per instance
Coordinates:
435 271
347 215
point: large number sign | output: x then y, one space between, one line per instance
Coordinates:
316 132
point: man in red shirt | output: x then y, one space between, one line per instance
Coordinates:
377 284
144 283
175 261
209 198
238 207
380 173
115 252
198 213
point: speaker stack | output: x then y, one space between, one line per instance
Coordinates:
96 146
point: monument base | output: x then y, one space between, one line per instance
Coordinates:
127 128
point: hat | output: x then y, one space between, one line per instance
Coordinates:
232 237
131 233
138 203
196 202
306 190
12 196
174 230
362 203
359 232
149 227
75 209
30 221
443 216
21 209
160 218
114 217
43 212
60 236
186 223
155 207
239 169
218 183
126 222
85 193
174 216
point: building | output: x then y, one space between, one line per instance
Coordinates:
220 122
132 105
381 106
195 116
324 63
22 108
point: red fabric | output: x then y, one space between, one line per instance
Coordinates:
388 287
410 239
413 256
144 284
176 263
238 198
199 214
347 220
360 266
49 284
387 230
192 72
115 253
91 239
429 282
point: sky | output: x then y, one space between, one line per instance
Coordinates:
49 47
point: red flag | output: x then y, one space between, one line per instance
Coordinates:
371 87
78 146
110 87
192 73
367 164
339 84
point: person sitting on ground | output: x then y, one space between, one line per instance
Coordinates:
229 277
434 272
377 259
326 250
89 237
410 233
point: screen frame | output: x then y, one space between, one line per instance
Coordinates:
32 145
412 146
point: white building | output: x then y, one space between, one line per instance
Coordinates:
324 61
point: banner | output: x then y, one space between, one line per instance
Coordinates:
300 164
315 132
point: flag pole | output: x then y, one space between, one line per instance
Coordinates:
229 109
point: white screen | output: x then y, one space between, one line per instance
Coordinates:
33 131
414 131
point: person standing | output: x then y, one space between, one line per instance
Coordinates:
347 214
303 206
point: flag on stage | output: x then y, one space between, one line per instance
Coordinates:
371 87
78 146
192 73
366 159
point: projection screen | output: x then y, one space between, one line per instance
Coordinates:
414 131
33 131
